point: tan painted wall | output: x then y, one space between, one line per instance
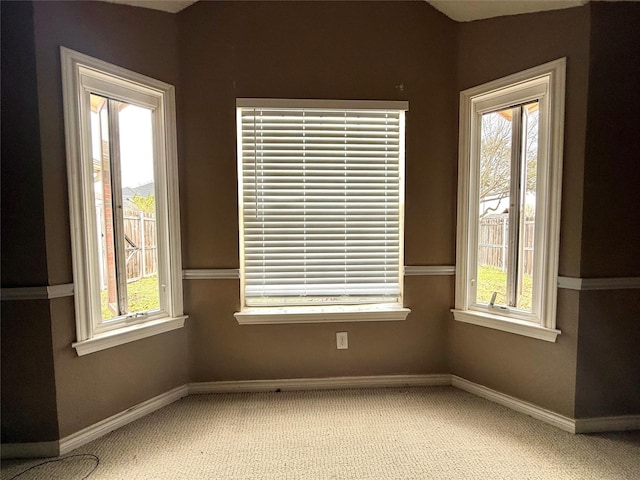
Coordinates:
95 386
223 350
608 376
334 50
535 371
337 50
532 370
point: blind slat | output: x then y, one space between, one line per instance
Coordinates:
320 203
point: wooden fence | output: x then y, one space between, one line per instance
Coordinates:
140 244
493 242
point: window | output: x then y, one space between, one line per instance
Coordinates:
123 198
510 170
321 206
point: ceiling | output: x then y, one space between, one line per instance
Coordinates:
459 10
171 6
468 10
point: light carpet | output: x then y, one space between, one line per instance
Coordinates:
376 433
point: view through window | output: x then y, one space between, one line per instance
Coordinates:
120 129
122 151
507 206
509 192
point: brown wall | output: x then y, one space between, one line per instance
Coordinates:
336 50
216 51
93 387
611 229
28 384
24 261
608 376
28 388
532 370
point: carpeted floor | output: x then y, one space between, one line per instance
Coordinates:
386 433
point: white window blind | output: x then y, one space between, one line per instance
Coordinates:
321 193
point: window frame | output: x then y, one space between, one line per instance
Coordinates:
327 312
81 76
546 84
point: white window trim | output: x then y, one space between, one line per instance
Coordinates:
81 74
527 85
326 313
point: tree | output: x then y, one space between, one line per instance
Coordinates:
495 156
145 204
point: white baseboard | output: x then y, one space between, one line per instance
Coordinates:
330 383
560 421
608 424
30 450
93 432
121 419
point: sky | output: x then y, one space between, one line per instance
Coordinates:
136 145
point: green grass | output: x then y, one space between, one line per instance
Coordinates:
142 294
491 279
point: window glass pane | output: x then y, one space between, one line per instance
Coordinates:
530 115
494 199
124 188
104 206
138 207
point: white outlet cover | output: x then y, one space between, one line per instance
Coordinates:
342 340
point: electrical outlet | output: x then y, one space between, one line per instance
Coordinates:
342 340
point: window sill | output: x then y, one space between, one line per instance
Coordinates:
336 313
499 322
128 334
